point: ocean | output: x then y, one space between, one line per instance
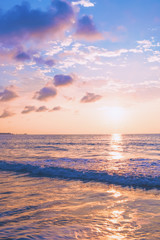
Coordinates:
79 187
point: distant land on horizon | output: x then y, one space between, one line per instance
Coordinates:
6 133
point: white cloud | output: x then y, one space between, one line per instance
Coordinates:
84 3
152 59
146 44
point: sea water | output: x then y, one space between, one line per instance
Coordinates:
80 187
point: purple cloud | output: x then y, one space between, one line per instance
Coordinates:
57 108
62 80
28 109
90 97
25 56
45 93
21 22
22 56
42 109
8 94
41 61
86 29
6 114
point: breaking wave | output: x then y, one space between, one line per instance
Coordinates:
85 176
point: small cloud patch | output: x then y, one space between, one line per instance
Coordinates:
57 108
42 109
28 109
45 93
8 94
62 80
6 114
22 56
84 3
41 61
90 97
86 29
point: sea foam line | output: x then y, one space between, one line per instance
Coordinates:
86 176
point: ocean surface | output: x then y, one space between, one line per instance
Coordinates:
79 187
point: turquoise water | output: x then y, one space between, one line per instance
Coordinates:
79 186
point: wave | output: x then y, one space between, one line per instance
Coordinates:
85 176
45 147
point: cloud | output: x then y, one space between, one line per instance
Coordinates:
22 56
42 109
21 22
146 44
90 97
86 29
28 109
63 80
84 3
6 114
8 94
45 93
57 108
154 58
41 61
25 56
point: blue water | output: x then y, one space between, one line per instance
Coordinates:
79 186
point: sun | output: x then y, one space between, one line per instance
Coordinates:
116 114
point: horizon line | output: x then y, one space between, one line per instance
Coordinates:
8 133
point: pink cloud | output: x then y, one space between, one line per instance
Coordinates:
28 109
8 94
45 93
6 114
57 108
42 109
90 97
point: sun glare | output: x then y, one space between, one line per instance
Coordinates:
116 137
116 114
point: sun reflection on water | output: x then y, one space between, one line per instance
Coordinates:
116 193
116 137
116 147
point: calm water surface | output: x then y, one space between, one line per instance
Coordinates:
80 187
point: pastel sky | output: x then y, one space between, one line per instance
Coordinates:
80 66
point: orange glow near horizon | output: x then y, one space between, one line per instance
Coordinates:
89 119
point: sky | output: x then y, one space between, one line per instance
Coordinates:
80 66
